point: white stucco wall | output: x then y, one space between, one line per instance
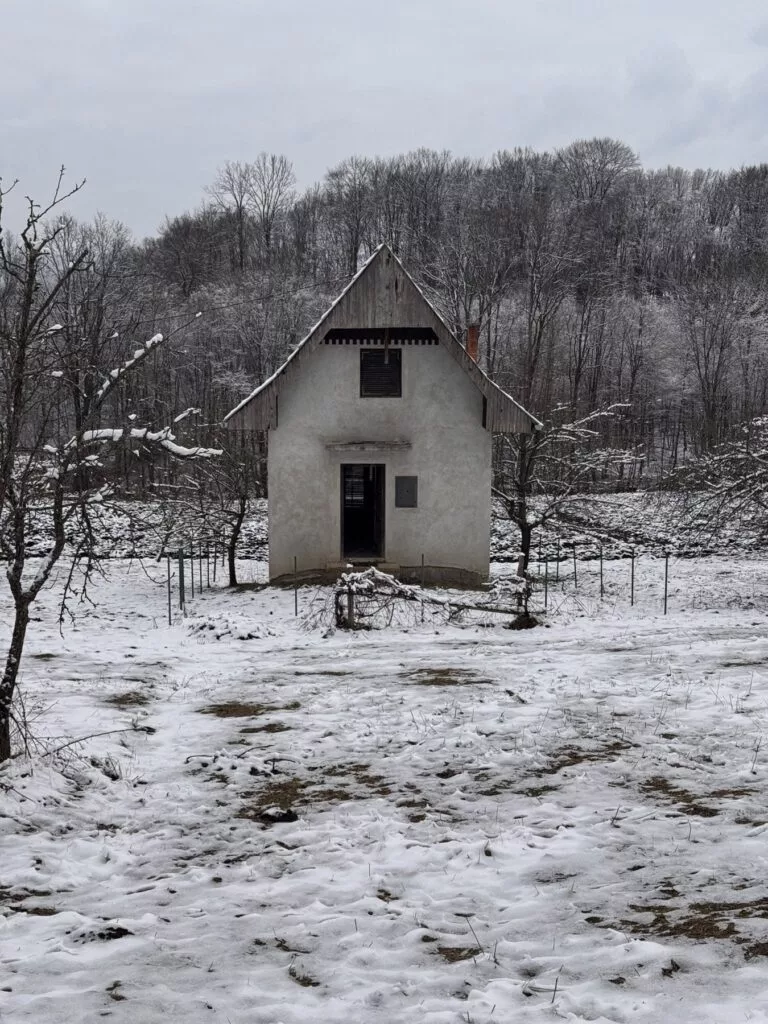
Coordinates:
440 413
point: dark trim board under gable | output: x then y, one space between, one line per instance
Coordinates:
381 336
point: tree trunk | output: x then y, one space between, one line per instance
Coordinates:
519 506
526 531
233 539
241 239
10 675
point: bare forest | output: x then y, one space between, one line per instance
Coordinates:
595 283
598 286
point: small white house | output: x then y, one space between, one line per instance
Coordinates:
379 439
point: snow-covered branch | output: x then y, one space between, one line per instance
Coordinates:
114 376
163 438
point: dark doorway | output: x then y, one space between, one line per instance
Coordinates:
362 511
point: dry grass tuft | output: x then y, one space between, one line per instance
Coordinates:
446 677
305 980
361 774
571 755
684 799
20 908
455 954
240 709
270 727
129 699
700 921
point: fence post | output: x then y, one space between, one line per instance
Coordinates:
208 562
602 589
182 595
200 564
192 567
170 613
575 581
422 587
632 579
351 608
666 579
557 563
546 581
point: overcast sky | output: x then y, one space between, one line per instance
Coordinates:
145 98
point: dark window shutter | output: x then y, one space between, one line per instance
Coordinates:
406 491
380 373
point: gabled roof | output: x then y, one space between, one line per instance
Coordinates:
382 295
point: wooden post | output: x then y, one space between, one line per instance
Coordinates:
422 587
215 558
200 564
182 595
170 613
295 586
539 550
575 579
666 579
632 579
557 563
602 588
546 582
192 568
208 563
351 608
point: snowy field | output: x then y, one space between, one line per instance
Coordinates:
267 821
645 522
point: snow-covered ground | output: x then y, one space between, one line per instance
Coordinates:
267 821
617 524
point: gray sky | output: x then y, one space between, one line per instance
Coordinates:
146 98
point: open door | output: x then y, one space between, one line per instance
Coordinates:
362 511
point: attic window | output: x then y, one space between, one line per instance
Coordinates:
381 373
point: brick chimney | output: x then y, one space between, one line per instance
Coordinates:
473 341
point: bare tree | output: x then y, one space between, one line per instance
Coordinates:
714 314
594 167
190 249
728 482
349 199
539 475
229 488
51 428
270 188
231 190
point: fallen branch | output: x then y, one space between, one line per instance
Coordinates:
372 585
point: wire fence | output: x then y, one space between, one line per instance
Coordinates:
193 566
565 570
648 583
